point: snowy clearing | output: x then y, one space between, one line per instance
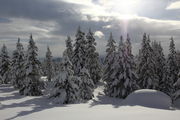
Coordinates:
16 107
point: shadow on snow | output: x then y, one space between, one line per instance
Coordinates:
37 104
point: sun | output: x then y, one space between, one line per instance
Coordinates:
126 8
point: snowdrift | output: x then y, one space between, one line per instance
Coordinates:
148 98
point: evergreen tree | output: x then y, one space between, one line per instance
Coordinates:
92 58
172 70
172 62
49 64
79 62
86 86
17 66
32 81
109 59
130 67
160 62
148 78
79 56
4 66
65 88
111 48
114 83
123 77
69 48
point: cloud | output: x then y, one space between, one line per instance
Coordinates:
37 9
174 5
99 34
50 21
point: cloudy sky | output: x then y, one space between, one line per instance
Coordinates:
50 21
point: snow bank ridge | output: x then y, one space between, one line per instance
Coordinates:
148 98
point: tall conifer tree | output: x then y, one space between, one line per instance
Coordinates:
49 64
31 85
65 85
92 58
18 66
171 75
4 65
160 62
79 55
148 78
109 59
69 48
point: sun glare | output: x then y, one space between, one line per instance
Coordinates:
127 8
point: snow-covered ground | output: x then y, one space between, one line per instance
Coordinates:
13 106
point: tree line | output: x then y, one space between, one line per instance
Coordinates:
77 75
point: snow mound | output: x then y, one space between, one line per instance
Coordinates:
148 98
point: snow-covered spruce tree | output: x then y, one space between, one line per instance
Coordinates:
130 67
49 64
111 48
79 55
160 62
18 66
148 78
69 48
79 62
123 76
172 61
92 58
87 85
65 85
32 81
4 66
114 82
109 59
172 70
